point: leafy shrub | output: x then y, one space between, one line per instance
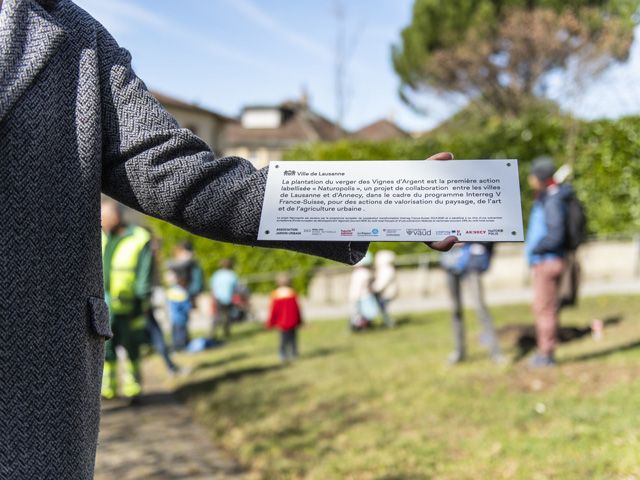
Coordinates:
605 156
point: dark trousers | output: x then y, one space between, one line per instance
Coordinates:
288 344
128 332
488 336
180 335
157 341
223 317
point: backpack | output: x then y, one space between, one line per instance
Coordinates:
575 222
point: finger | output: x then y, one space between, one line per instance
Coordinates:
443 245
442 156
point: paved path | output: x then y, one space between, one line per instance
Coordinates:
157 440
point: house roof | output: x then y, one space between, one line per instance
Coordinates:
299 124
383 129
172 102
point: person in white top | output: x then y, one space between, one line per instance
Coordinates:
361 294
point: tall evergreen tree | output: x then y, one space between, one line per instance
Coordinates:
501 52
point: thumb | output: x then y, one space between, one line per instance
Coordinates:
442 156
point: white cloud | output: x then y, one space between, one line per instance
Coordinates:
259 17
121 17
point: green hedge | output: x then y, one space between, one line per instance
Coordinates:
607 175
605 155
248 260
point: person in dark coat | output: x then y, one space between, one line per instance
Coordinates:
184 259
75 120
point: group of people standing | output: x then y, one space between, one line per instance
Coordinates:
129 276
128 253
555 231
186 281
128 258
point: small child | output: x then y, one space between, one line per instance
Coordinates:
179 308
285 316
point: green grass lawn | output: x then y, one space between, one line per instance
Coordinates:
384 404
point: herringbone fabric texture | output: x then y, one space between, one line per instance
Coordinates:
74 119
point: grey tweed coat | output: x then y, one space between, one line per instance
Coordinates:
75 120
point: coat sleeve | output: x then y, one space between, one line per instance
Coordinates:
155 167
554 215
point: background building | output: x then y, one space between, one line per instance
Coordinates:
383 129
264 133
206 124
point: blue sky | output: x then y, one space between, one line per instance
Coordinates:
224 54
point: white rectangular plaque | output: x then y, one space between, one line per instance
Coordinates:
392 200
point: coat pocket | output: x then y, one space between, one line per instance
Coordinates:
99 317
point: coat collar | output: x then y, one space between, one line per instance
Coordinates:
29 36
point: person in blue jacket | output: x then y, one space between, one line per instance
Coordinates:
546 250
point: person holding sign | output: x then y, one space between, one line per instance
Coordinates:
75 120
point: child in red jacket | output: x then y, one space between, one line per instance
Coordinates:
285 315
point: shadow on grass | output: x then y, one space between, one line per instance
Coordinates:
402 321
250 330
299 434
209 385
394 477
524 336
220 362
379 327
324 352
604 353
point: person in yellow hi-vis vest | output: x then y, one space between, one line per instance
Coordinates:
127 260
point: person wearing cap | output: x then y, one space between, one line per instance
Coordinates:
545 248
